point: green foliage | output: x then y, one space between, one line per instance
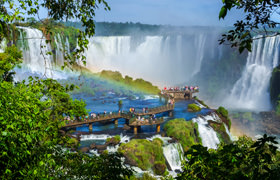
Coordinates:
144 154
243 159
116 138
224 113
274 86
220 131
201 102
193 107
184 131
248 116
278 109
8 61
137 84
257 18
15 11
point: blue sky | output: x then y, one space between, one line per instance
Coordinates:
167 12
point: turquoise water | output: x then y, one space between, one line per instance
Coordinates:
109 103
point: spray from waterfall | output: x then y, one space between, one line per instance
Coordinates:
251 91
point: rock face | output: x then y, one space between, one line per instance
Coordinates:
112 141
84 149
263 122
101 147
92 146
126 127
221 131
274 85
159 168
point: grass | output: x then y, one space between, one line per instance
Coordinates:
138 84
145 154
193 107
184 131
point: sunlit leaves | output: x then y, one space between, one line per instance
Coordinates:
57 10
243 159
257 21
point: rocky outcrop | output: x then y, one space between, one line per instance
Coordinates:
84 149
126 127
263 122
159 168
144 154
92 146
112 141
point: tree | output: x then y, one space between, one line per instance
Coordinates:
8 61
243 159
257 21
32 112
83 11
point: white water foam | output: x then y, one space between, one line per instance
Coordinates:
208 135
174 155
251 91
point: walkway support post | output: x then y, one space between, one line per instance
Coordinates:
116 121
90 127
170 113
158 128
135 129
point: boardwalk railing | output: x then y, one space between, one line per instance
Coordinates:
115 116
143 122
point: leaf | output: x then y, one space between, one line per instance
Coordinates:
223 12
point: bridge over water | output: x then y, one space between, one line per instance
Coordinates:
178 94
131 118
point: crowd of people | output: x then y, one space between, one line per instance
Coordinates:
184 88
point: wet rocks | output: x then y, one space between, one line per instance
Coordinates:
84 149
92 146
126 127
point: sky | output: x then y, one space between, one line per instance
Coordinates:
167 12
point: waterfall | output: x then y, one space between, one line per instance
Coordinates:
200 41
3 45
36 58
155 58
94 137
173 153
251 91
208 135
227 131
59 53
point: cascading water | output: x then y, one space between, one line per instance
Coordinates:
251 91
59 55
174 154
155 58
208 135
35 55
200 41
36 60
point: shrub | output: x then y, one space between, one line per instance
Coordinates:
183 131
222 111
194 107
